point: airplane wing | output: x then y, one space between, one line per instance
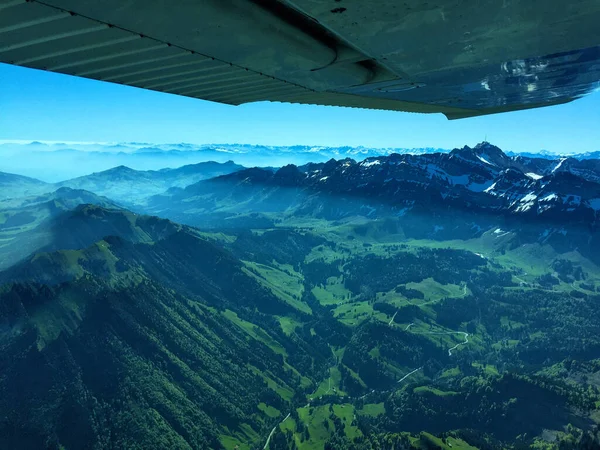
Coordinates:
461 58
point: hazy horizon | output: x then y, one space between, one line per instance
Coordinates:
143 144
55 161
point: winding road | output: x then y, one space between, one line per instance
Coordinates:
464 333
273 431
399 381
409 374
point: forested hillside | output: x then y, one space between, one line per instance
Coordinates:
295 318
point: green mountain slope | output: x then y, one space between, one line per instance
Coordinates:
137 367
27 224
131 354
137 332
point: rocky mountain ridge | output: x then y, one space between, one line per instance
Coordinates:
479 179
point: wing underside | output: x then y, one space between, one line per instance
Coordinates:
460 58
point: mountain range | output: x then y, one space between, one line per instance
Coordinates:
130 186
446 300
482 179
55 161
123 184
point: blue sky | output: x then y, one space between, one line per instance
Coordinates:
37 105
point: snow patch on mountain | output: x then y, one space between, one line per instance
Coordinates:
529 197
560 163
534 176
490 188
482 159
527 202
370 163
549 198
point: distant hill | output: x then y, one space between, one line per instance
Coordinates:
129 186
12 186
30 223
